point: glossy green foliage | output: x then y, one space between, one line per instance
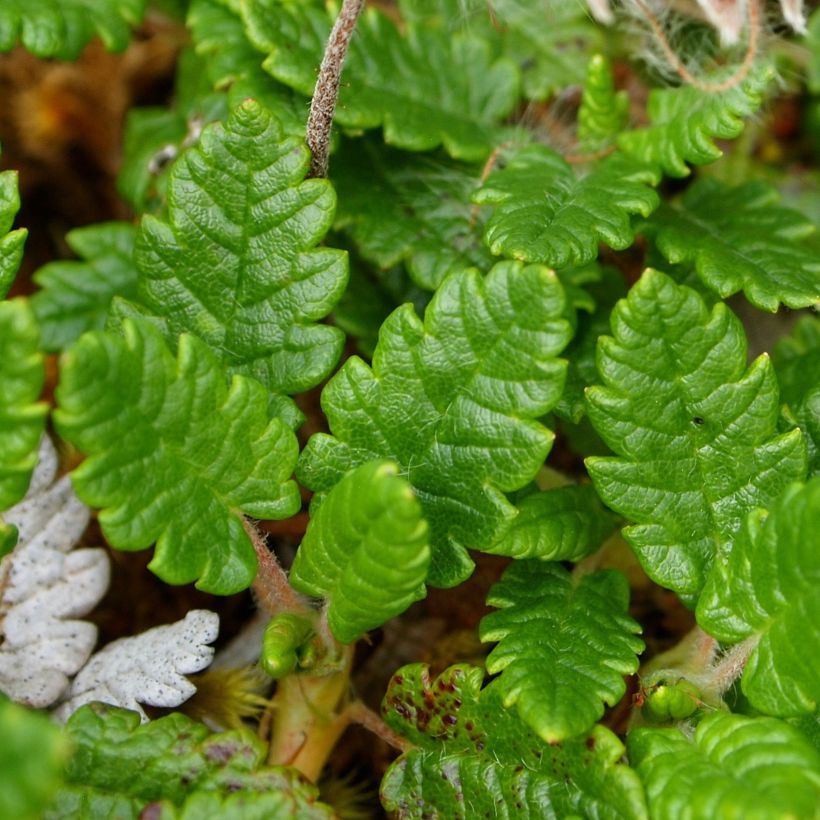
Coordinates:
473 758
694 429
233 65
11 242
453 401
236 263
175 455
604 112
284 643
741 238
685 122
400 207
734 766
169 768
562 524
31 756
768 591
797 362
564 645
545 212
366 550
424 87
76 294
22 417
62 28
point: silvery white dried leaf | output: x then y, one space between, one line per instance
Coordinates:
46 586
601 11
727 16
794 15
149 668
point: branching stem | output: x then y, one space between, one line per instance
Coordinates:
683 72
326 92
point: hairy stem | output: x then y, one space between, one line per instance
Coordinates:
273 591
323 104
357 712
683 72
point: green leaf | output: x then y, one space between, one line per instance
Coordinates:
546 213
768 591
31 757
563 524
604 112
564 645
236 262
693 426
472 758
734 766
233 64
62 28
685 122
120 766
813 42
76 295
175 455
400 207
22 417
366 550
11 242
453 401
797 362
425 88
741 238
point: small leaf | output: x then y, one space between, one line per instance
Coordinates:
240 211
366 550
563 524
174 453
149 668
120 766
735 766
694 429
797 362
388 79
61 28
604 112
48 587
545 213
22 417
768 590
400 207
473 758
741 238
11 242
564 645
685 122
76 295
31 758
285 638
453 402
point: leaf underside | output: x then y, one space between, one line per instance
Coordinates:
62 28
769 589
425 87
453 401
174 453
735 766
365 550
238 208
741 238
472 758
694 430
564 645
